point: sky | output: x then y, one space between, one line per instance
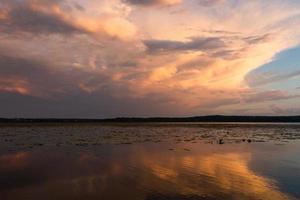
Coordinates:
124 58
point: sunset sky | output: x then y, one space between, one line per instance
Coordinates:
109 58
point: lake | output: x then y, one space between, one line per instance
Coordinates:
158 161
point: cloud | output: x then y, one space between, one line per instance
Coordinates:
30 77
272 95
195 44
116 58
114 27
222 44
210 2
27 20
154 2
259 38
26 16
239 100
257 79
279 110
171 2
64 17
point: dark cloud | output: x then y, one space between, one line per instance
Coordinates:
257 39
21 17
141 2
78 7
216 103
46 80
59 93
151 2
255 79
195 44
38 78
284 111
15 3
97 105
249 98
210 2
221 32
171 2
268 96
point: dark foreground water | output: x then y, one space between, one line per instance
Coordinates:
150 162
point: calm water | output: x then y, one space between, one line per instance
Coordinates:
150 162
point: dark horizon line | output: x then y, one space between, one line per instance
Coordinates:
207 118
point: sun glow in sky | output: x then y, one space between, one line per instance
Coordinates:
105 58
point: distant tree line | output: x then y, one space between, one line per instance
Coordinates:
212 118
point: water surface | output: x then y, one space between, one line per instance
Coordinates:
150 161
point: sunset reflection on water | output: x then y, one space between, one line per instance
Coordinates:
139 171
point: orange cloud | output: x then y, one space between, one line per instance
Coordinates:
187 54
14 85
114 27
